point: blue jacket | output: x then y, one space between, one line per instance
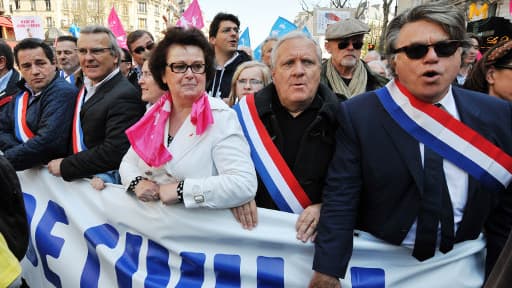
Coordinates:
49 117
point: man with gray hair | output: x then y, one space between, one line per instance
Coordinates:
345 73
106 106
298 113
424 171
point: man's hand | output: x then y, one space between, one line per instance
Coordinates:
247 214
320 280
306 224
54 167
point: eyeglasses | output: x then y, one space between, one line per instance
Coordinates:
253 82
196 68
504 66
442 48
141 49
93 51
343 44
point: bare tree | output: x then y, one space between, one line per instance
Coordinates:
338 3
386 4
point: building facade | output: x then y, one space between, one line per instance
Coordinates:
59 15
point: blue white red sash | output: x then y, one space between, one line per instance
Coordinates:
449 137
78 136
21 129
279 180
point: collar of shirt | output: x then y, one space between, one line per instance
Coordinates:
4 80
91 89
448 103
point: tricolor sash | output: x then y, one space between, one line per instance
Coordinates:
21 129
78 136
448 136
279 180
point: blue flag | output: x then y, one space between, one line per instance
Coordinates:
256 54
306 31
282 27
244 39
74 30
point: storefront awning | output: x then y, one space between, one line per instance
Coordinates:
5 22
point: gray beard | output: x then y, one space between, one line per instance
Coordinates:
351 62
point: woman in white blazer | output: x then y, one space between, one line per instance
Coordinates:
188 147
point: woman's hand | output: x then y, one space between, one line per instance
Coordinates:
147 191
247 214
306 224
168 193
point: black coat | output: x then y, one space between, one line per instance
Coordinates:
13 218
104 117
225 76
314 150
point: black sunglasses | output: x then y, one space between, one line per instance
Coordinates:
344 44
141 49
442 48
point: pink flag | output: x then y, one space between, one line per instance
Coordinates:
192 16
117 28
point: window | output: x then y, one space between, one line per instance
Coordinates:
93 5
17 4
49 5
142 23
33 5
49 22
157 25
142 7
157 10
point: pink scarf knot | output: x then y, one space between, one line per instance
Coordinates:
147 135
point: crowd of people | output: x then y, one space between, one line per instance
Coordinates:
346 143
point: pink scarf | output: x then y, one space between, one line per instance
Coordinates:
147 135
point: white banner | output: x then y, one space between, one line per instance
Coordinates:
81 237
28 27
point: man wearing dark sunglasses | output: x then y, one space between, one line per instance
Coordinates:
345 73
138 42
413 168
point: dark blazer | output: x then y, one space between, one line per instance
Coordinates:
375 178
315 148
114 107
10 90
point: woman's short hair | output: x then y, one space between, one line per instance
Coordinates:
180 36
265 72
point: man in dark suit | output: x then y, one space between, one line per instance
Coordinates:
9 77
381 181
106 106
